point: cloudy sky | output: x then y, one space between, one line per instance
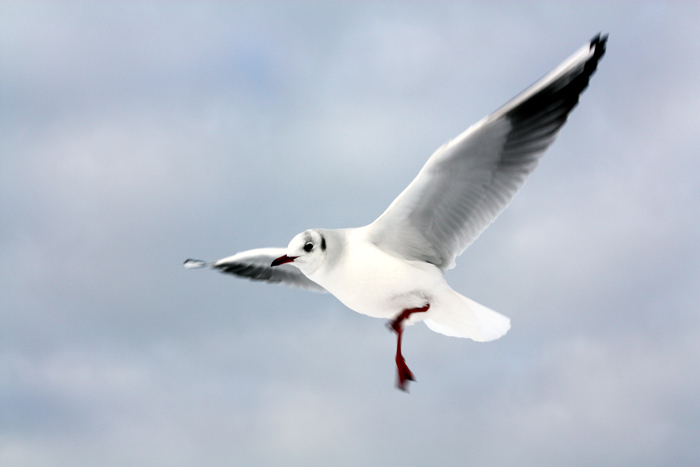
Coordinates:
136 135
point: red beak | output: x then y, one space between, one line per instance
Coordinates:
283 259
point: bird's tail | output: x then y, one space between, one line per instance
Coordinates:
463 317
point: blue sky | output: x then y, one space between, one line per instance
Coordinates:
136 135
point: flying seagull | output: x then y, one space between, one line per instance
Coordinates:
393 268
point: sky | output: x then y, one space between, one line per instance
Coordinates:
135 135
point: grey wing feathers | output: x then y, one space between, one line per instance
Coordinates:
468 181
255 265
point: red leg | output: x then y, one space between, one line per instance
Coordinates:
403 373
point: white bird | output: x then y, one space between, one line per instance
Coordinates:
393 268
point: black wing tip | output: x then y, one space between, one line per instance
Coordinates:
195 263
537 120
249 271
598 44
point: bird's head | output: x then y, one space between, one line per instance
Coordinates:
306 251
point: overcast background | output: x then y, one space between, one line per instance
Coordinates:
136 135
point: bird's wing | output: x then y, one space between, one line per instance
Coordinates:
468 181
256 265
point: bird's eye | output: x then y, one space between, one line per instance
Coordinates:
308 247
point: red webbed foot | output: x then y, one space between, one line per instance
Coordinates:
404 375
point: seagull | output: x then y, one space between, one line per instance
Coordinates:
394 267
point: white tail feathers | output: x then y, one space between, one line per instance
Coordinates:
466 318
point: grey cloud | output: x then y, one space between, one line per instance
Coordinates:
135 136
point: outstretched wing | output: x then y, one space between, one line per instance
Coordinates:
468 181
255 265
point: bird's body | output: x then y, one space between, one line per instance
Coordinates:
393 268
373 282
